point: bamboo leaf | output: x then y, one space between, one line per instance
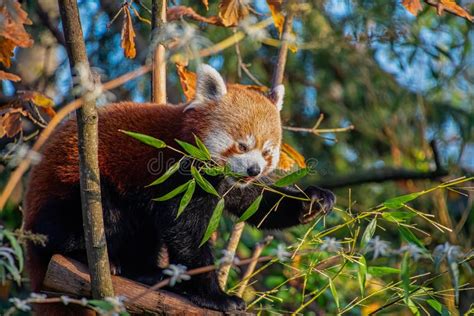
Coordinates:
203 147
408 236
405 276
368 233
213 222
362 274
251 209
399 201
435 304
202 182
149 140
398 216
292 177
382 271
334 293
168 173
173 193
187 196
192 150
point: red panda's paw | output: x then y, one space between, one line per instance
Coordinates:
322 201
220 302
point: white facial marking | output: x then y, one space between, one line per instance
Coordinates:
218 141
240 163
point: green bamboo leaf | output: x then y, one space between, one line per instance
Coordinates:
149 140
413 308
292 177
362 274
213 222
202 182
16 247
203 147
408 236
399 201
187 196
168 173
368 233
215 171
173 193
334 293
382 271
435 304
398 216
192 150
251 209
405 276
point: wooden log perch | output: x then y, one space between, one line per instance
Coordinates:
67 276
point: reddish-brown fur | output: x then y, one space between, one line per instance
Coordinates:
123 160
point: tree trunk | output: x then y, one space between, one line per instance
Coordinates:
87 120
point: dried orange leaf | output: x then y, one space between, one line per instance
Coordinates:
128 34
206 3
40 100
452 7
188 81
8 76
180 11
262 89
277 16
12 30
11 123
413 6
232 11
285 163
292 153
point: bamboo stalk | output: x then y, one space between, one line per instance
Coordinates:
234 239
158 77
87 123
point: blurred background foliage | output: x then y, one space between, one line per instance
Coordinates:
404 82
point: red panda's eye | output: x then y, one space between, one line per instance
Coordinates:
243 148
266 153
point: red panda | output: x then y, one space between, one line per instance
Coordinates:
240 127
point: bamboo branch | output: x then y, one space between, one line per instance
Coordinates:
158 78
251 267
231 248
87 123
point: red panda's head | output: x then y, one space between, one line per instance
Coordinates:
243 125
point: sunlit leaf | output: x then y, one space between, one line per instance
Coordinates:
277 15
289 157
399 201
232 11
9 76
251 209
168 173
173 193
435 304
368 233
382 271
188 81
413 6
149 140
452 7
192 150
213 222
202 182
291 178
187 196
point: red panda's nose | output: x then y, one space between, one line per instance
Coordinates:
253 171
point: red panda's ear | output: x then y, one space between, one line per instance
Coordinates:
209 87
276 96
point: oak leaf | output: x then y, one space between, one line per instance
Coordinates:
277 15
413 6
188 81
12 30
128 34
232 11
11 123
8 76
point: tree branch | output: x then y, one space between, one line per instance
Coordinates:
87 123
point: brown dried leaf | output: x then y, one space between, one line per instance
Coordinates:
206 3
232 11
12 30
277 15
188 81
285 163
293 154
128 34
11 123
413 6
452 7
8 76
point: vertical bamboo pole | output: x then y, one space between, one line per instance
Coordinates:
158 77
87 123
